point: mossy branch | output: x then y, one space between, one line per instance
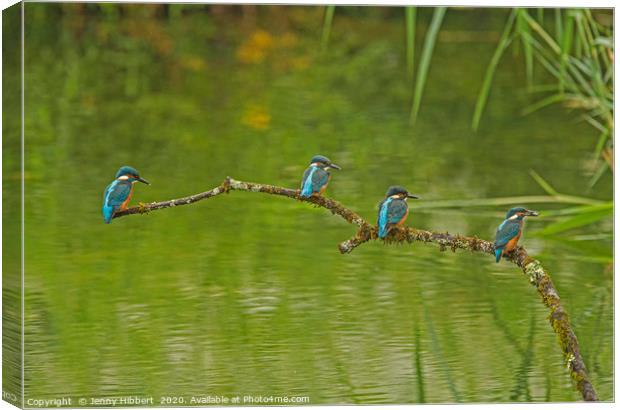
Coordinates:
230 184
532 268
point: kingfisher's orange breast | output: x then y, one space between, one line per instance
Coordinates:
512 243
402 221
324 187
126 202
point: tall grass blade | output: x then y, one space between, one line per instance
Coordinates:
483 95
576 221
600 171
542 33
573 68
593 237
508 200
595 123
558 24
524 29
542 88
588 248
587 30
577 210
425 61
604 41
552 99
592 24
410 15
577 39
581 34
602 139
543 184
566 44
604 260
327 27
545 59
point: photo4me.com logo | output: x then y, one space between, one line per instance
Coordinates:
275 399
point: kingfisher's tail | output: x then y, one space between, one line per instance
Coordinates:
108 212
498 254
383 230
306 190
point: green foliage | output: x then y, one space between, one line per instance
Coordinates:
483 95
327 26
578 54
410 15
507 200
582 216
425 60
571 218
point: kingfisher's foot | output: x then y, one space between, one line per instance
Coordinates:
142 208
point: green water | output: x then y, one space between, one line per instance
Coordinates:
247 294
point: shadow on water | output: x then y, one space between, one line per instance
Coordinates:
442 360
418 366
521 391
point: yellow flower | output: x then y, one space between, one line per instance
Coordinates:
256 117
261 39
255 48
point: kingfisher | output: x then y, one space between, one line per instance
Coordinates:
510 230
118 193
393 210
317 176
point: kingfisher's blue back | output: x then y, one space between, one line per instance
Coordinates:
313 180
391 212
508 230
114 196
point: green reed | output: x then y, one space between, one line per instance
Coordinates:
576 50
425 61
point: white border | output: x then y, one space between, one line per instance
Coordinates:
476 3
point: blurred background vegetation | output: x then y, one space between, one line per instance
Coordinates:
475 110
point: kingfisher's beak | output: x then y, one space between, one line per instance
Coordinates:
531 213
335 166
412 196
144 181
